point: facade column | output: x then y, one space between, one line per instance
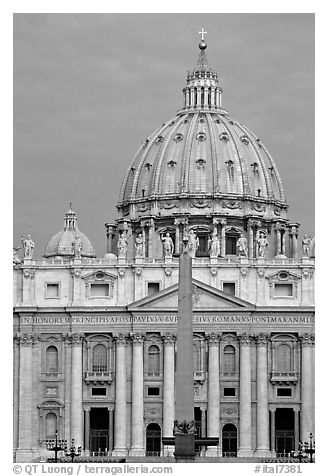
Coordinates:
150 238
87 429
293 236
206 97
212 96
262 408
245 424
250 240
213 407
283 244
24 451
144 240
137 430
296 428
223 238
306 387
217 100
187 97
109 236
198 97
273 430
120 398
278 239
76 390
16 363
168 390
110 430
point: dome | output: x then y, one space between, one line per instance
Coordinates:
69 242
202 158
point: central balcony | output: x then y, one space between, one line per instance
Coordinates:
99 377
284 377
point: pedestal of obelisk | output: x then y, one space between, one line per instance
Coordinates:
184 425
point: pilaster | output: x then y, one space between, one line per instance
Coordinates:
245 414
120 448
168 389
137 447
262 408
76 389
307 419
213 407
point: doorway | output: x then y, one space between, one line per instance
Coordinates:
153 440
229 440
99 430
284 434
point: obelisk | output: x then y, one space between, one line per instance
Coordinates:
184 425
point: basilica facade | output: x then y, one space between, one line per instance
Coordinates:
95 338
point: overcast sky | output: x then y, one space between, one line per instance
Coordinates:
89 89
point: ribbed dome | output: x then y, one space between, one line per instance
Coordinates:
69 242
201 153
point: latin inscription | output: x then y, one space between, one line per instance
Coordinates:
96 320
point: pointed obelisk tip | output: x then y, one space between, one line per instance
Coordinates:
185 242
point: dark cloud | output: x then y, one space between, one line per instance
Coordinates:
89 88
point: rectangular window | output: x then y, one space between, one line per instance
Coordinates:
98 391
229 288
52 290
283 290
284 392
229 392
100 290
153 288
153 391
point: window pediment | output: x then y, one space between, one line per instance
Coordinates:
283 276
99 276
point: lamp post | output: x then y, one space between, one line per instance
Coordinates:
305 449
73 451
56 445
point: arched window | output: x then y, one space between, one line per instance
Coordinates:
51 426
153 360
197 366
284 358
99 358
229 359
52 359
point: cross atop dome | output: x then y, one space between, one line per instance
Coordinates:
203 32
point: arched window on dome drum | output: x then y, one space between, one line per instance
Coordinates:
229 360
231 243
153 360
284 360
51 426
52 359
203 241
99 358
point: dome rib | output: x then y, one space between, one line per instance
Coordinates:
160 160
214 149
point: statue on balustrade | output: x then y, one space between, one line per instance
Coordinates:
168 246
241 246
306 245
122 245
139 246
213 245
28 246
262 244
193 243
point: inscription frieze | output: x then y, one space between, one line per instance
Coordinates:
167 319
